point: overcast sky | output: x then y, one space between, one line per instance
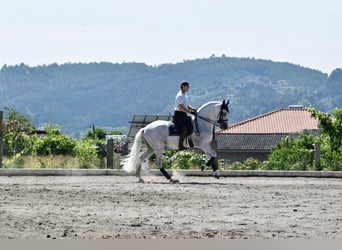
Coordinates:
304 32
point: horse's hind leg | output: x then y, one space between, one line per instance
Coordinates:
159 163
143 157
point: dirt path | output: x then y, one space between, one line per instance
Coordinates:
199 207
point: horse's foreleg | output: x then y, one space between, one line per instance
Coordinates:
213 163
167 175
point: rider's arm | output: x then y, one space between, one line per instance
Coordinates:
191 108
183 109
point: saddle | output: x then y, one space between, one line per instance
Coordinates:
174 130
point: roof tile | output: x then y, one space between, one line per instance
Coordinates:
290 120
249 142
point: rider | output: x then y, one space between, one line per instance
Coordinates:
182 109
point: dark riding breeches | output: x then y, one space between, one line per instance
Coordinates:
182 120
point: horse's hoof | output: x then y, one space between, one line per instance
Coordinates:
174 180
216 175
141 181
203 168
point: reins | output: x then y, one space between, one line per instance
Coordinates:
213 122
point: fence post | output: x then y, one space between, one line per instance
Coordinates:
317 155
109 153
1 134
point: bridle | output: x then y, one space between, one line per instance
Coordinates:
219 121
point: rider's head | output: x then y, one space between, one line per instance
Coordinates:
184 85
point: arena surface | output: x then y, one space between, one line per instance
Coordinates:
110 207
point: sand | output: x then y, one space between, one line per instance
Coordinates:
117 207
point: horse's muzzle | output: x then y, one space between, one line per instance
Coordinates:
224 126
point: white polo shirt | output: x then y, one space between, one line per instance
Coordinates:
181 99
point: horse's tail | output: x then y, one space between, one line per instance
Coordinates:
131 162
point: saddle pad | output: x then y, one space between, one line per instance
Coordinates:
173 130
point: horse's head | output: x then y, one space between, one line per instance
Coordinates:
223 115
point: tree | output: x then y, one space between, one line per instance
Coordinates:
97 132
17 122
331 126
15 134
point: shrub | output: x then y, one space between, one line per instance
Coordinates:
15 162
96 133
293 153
17 143
86 152
330 160
249 164
180 159
54 144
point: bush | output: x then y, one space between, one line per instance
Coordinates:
254 164
249 164
96 133
330 160
296 153
54 144
17 143
86 152
15 162
180 159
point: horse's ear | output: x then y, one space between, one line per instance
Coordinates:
227 102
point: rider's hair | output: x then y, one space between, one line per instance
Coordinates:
184 84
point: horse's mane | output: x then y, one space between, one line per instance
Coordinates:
204 106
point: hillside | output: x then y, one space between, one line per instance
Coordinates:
108 95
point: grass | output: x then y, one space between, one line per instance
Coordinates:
49 162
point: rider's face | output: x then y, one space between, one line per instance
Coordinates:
185 88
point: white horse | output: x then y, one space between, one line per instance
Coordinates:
156 137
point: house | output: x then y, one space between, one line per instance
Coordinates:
256 137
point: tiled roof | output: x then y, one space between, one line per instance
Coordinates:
284 121
248 142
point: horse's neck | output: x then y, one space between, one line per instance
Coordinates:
209 110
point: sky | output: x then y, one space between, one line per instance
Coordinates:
303 32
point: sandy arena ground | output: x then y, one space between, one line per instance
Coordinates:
107 207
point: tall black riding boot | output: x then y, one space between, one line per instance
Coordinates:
182 138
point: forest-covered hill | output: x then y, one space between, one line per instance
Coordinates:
108 95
